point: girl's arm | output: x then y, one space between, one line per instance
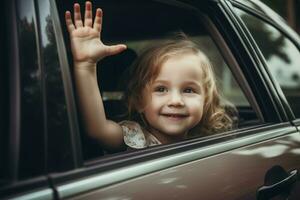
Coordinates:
88 49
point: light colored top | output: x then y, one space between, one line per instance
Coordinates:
136 137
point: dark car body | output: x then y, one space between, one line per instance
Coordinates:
45 155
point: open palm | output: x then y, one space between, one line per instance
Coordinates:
85 37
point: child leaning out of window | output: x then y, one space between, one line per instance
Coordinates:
172 89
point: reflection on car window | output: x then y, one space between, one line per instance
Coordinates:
32 121
281 55
58 131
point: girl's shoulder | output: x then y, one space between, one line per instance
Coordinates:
137 137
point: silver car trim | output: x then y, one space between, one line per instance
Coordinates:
46 194
136 170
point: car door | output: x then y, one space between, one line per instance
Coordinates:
230 165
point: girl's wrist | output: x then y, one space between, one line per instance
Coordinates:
85 65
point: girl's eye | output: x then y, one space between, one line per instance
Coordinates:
188 90
160 89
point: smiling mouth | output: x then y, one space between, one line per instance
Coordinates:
175 115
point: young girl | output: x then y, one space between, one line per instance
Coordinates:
172 89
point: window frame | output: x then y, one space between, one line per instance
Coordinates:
233 66
279 100
110 162
250 65
286 32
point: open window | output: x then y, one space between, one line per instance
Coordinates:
140 24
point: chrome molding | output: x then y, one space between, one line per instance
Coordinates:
111 177
46 194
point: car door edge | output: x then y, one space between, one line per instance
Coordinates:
105 179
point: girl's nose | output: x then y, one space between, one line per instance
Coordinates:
175 99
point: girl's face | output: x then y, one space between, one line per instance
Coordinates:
175 102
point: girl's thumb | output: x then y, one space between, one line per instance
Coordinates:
115 49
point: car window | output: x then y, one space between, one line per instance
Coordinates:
32 103
281 55
58 128
32 114
44 120
137 34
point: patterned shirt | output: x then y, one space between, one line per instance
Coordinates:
136 137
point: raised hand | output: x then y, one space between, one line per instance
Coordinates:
85 37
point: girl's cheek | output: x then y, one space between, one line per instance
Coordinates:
197 99
194 105
155 99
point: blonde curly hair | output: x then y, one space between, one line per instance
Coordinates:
146 68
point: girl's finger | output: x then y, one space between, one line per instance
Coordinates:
88 21
98 20
115 49
69 22
77 16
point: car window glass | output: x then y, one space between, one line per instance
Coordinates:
32 117
137 34
281 55
59 153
